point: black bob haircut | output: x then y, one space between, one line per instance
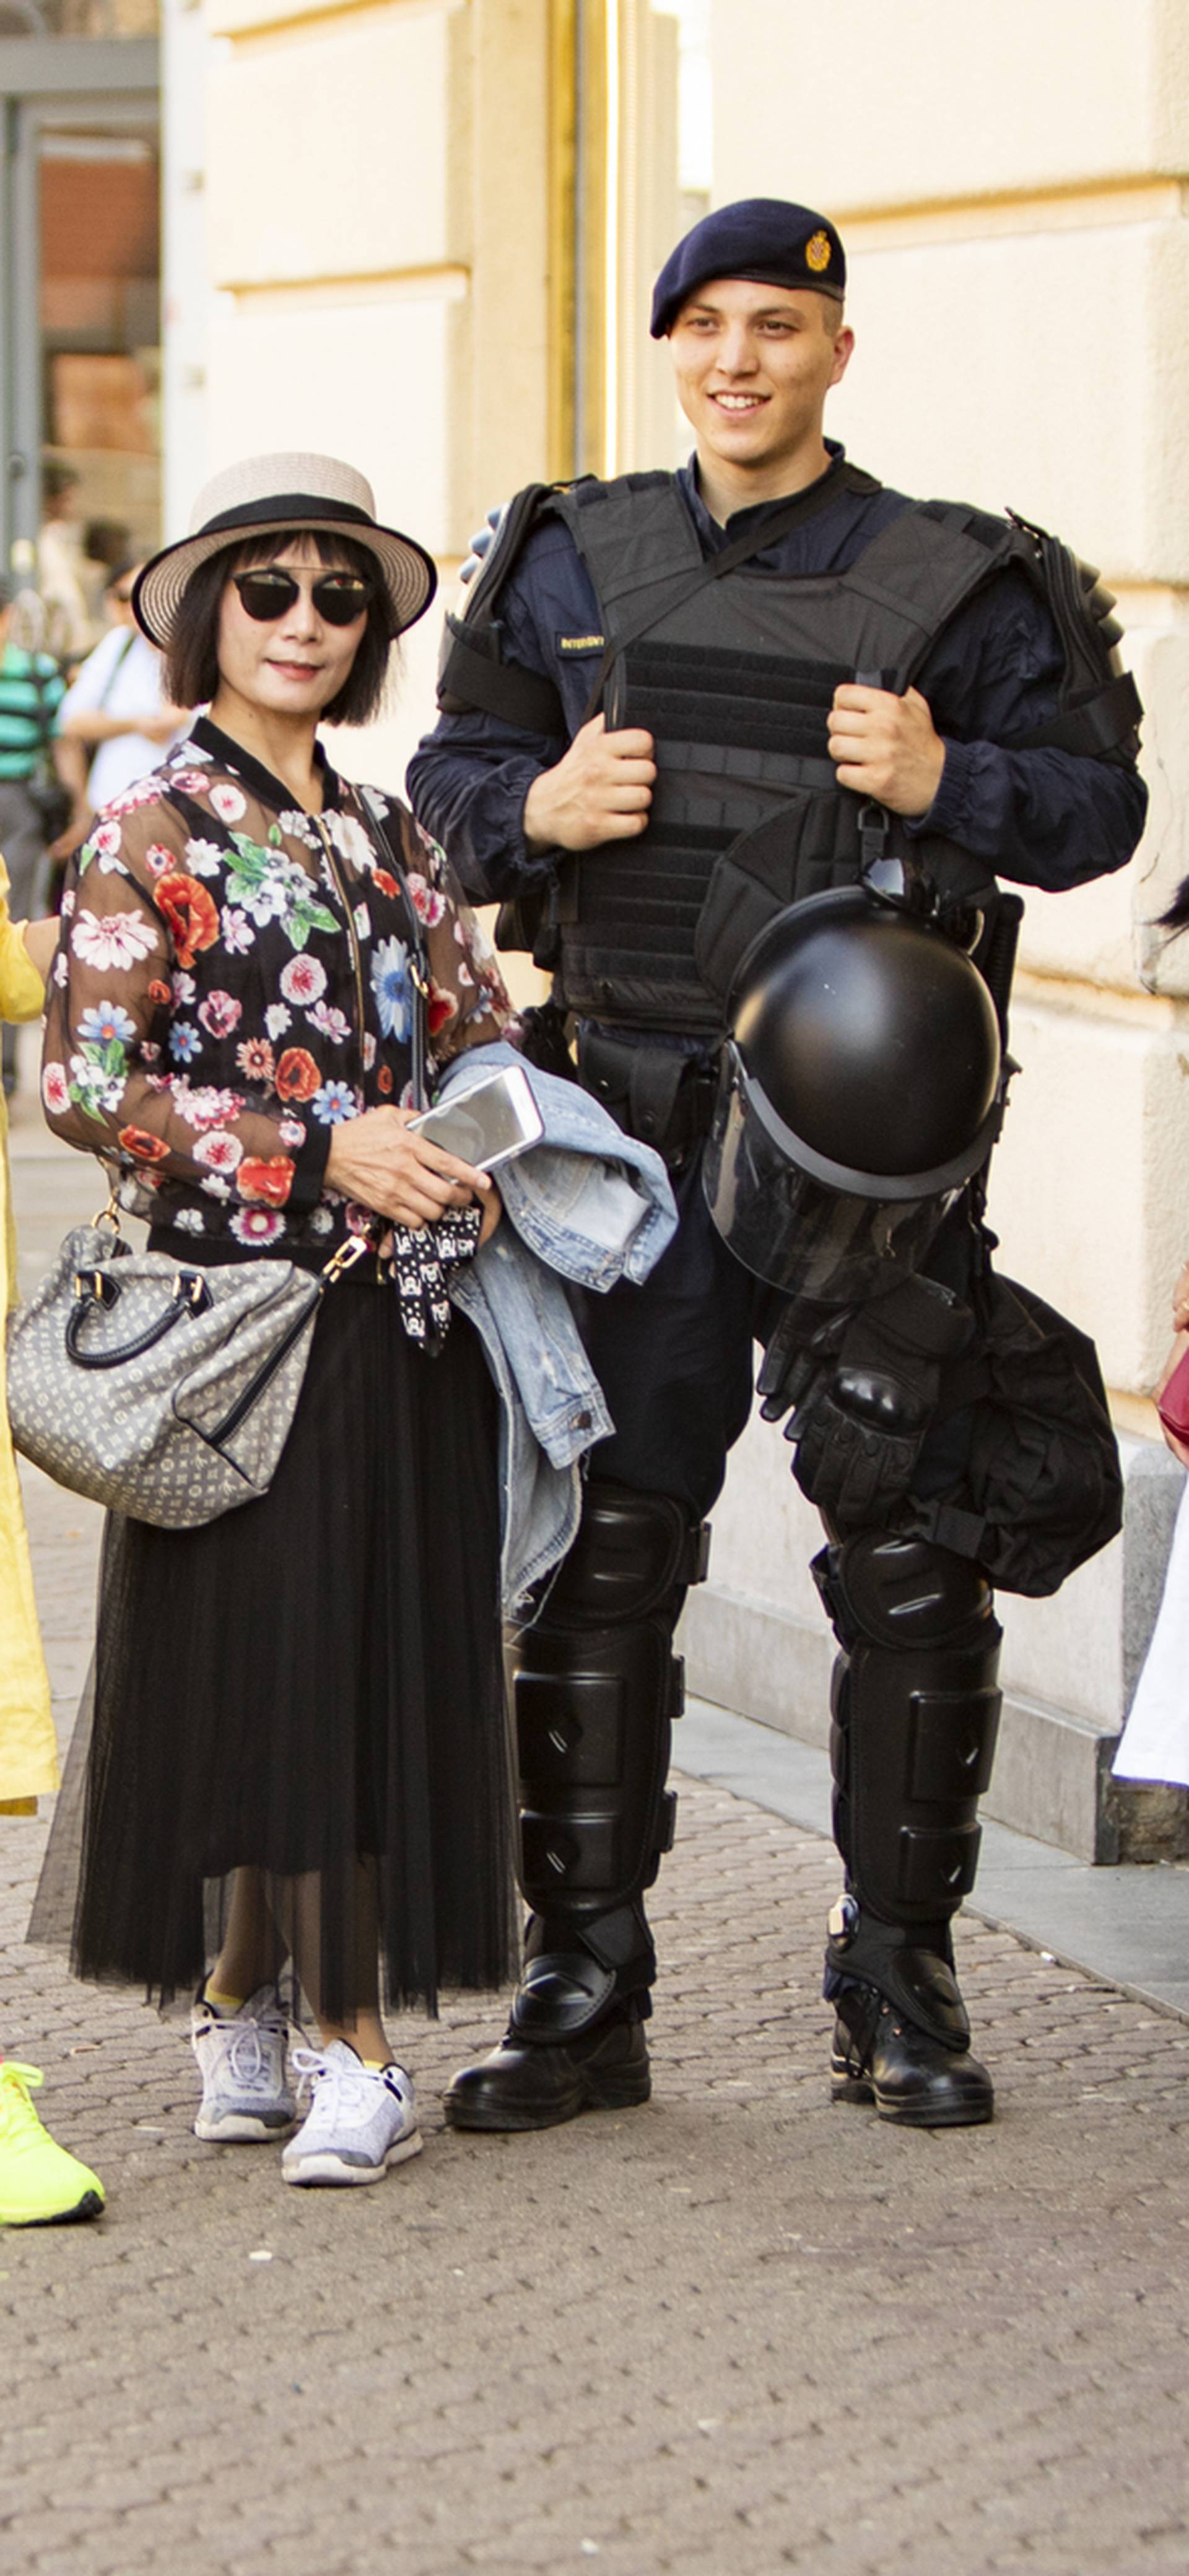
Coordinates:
192 656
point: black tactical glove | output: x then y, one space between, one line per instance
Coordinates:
865 1393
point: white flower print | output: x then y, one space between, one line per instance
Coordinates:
277 1019
298 827
303 981
238 934
112 941
227 800
215 1187
464 973
54 1089
320 1220
363 921
104 839
182 986
189 1220
205 1104
350 840
94 1086
291 1132
205 858
143 791
330 1023
369 1050
159 858
61 969
427 903
220 1151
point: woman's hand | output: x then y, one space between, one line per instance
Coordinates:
376 1160
1179 1448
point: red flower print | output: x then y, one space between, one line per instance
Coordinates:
384 1078
266 1181
297 1075
159 993
191 915
147 1149
387 884
440 1008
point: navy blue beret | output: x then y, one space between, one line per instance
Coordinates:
759 237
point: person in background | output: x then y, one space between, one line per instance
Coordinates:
39 2180
61 566
115 717
31 689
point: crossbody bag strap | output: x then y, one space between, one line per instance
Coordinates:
419 957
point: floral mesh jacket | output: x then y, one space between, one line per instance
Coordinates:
233 980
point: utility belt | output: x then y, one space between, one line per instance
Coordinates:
657 1094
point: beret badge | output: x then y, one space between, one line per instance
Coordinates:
818 253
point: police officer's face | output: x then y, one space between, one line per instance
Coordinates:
753 365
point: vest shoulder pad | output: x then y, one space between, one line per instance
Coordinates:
471 675
1100 708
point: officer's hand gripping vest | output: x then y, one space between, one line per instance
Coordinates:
734 678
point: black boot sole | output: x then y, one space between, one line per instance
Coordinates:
859 2089
591 2092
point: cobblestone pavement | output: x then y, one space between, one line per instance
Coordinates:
732 2332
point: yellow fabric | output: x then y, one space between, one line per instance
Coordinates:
28 1754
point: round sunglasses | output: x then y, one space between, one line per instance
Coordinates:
339 597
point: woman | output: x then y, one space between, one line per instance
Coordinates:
298 1737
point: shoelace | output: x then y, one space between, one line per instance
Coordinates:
353 2084
17 2114
243 2047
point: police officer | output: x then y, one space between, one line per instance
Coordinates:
674 699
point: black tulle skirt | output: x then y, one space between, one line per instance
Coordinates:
311 1688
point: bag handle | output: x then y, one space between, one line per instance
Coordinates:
189 1295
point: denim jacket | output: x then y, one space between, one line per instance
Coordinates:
587 1204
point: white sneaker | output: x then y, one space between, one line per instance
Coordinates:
245 2097
360 2120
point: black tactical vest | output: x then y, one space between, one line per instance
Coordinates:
735 686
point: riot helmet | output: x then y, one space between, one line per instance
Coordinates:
861 1088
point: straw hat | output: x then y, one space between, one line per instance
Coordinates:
285 491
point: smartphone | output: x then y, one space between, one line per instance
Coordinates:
486 1125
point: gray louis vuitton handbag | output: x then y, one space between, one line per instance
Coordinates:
164 1392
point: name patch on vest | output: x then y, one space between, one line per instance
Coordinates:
580 643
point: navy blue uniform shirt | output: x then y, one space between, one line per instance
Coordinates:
1044 818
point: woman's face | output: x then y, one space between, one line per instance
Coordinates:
296 663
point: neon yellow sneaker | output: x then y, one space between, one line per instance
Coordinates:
39 2182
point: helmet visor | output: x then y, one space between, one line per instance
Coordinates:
793 1230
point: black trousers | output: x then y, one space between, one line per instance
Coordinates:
675 1359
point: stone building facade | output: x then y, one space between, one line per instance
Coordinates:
421 233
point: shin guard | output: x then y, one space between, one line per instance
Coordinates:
915 1714
595 1692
